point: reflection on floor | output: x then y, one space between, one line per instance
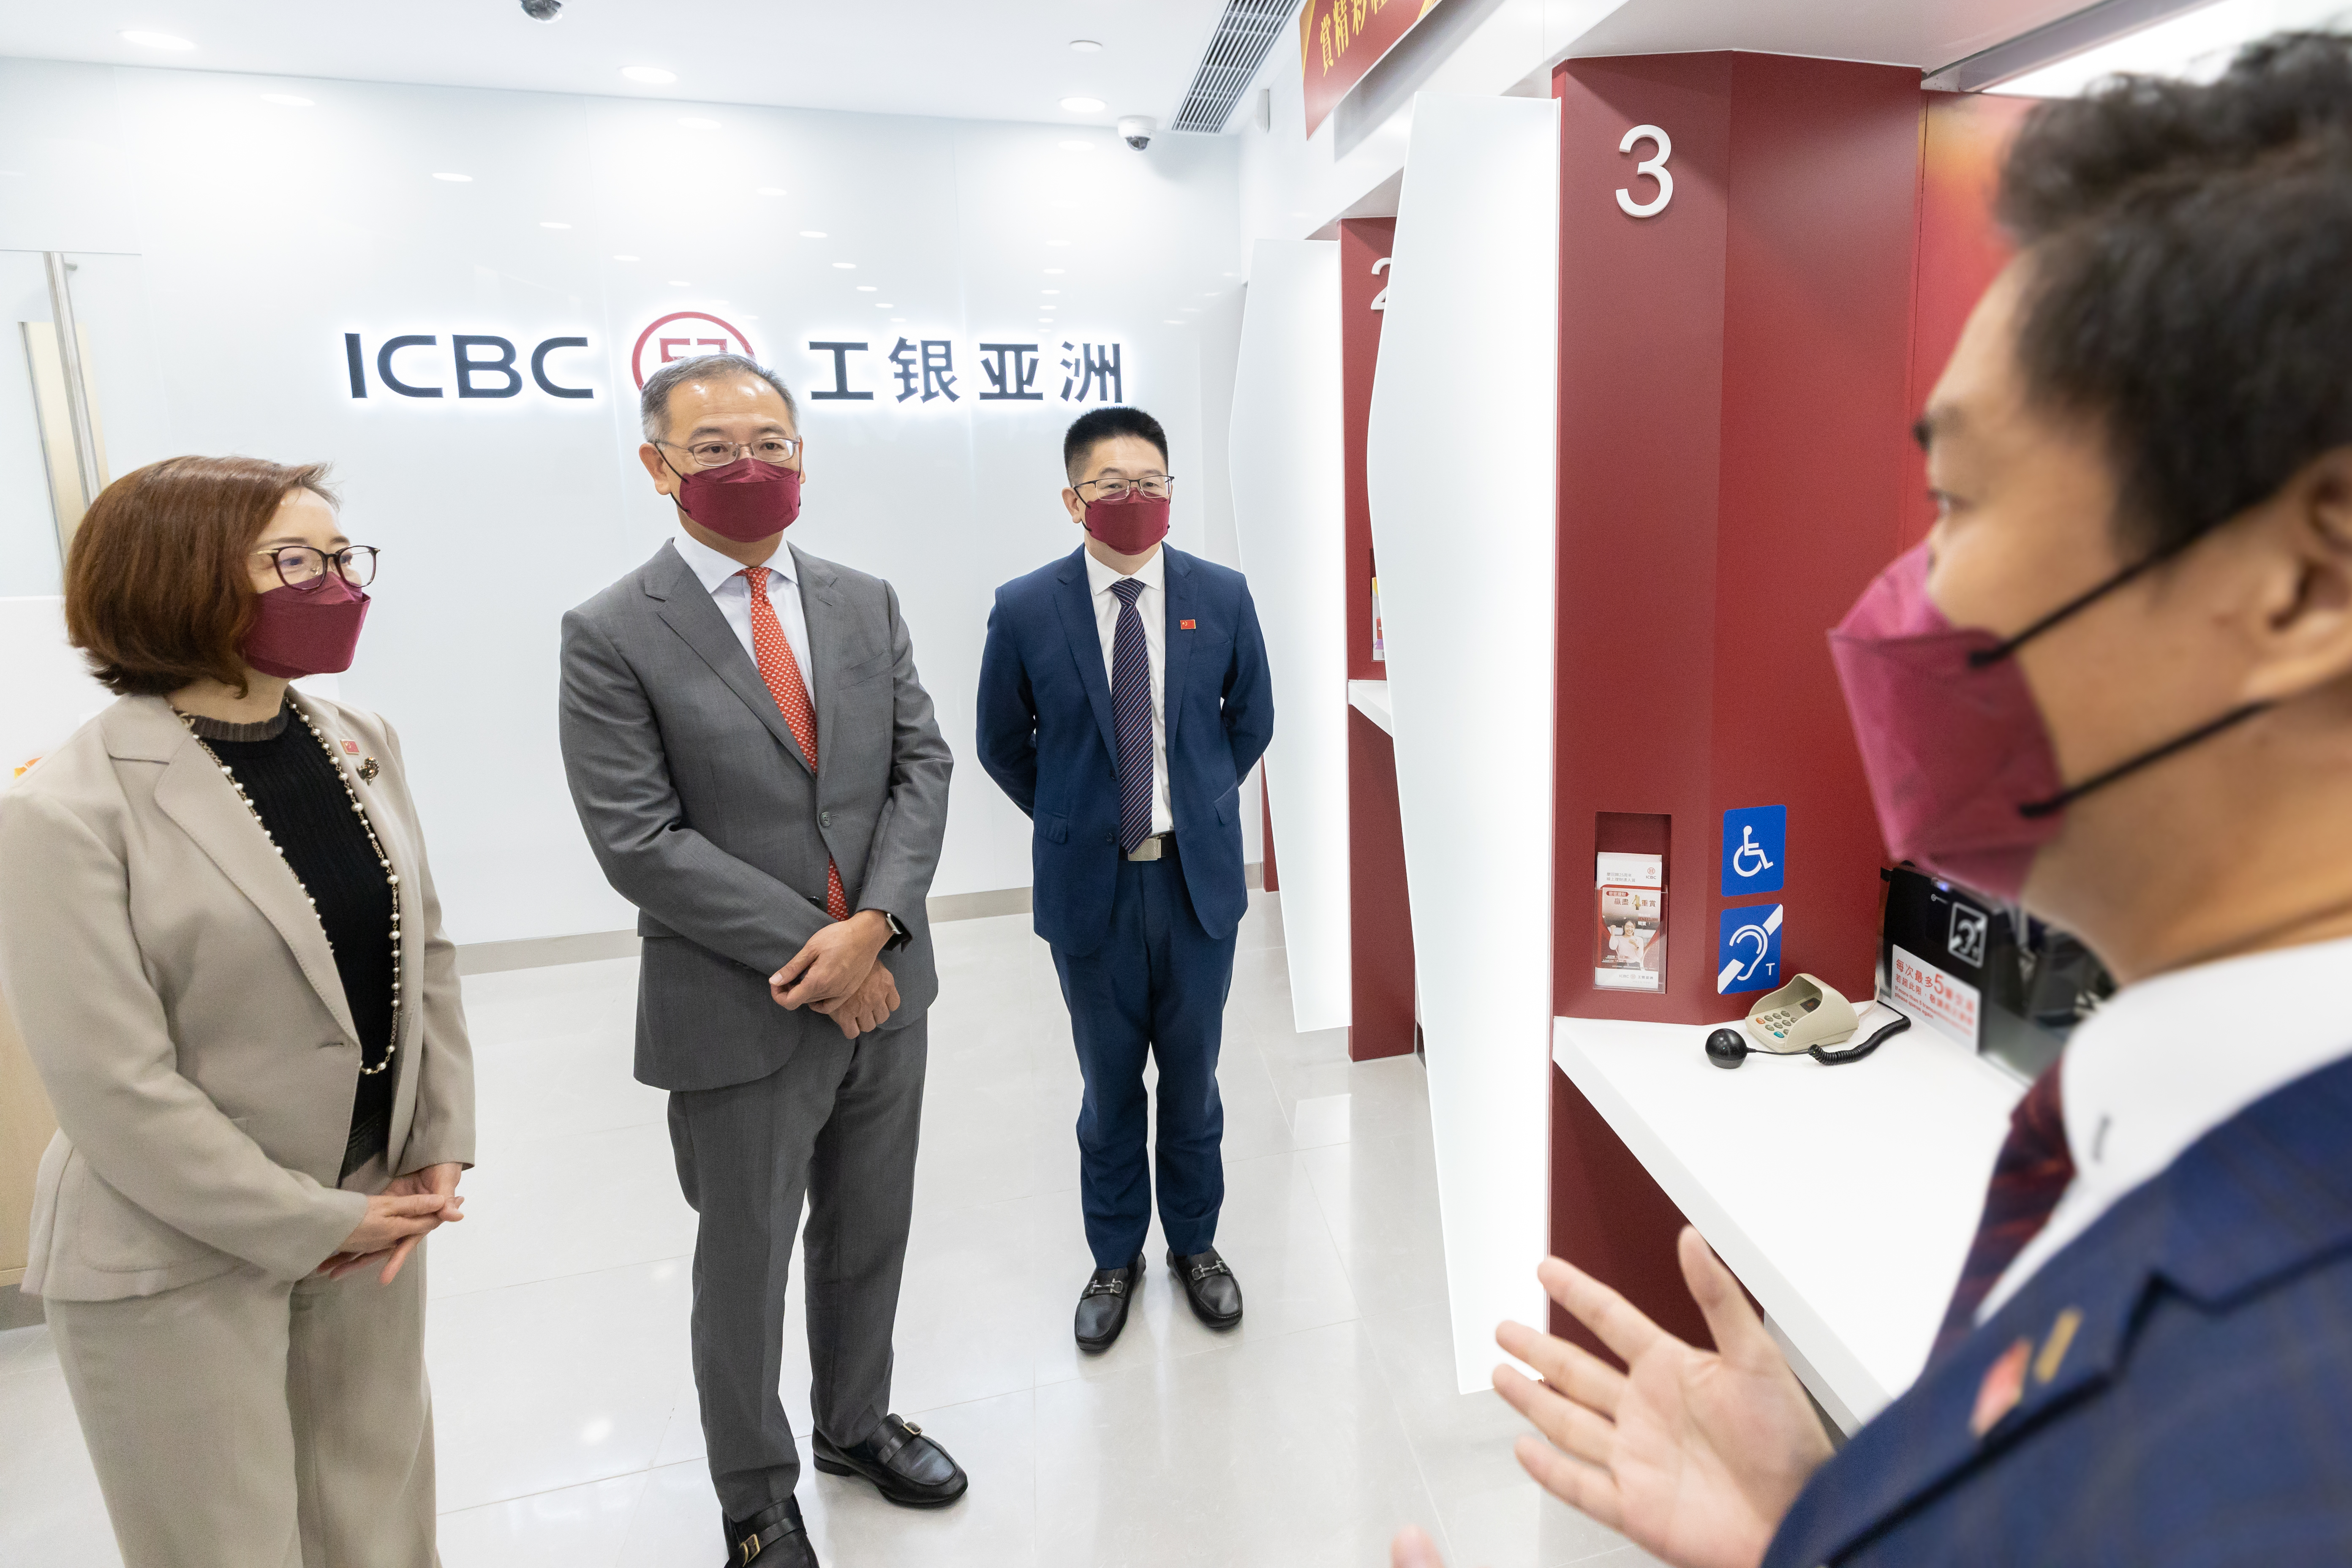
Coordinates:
565 1405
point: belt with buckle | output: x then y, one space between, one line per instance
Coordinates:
1154 847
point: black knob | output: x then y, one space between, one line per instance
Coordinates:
1726 1049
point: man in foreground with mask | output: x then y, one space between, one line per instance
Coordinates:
2116 684
759 771
1123 696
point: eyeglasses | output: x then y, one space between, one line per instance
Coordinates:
1151 487
304 568
777 449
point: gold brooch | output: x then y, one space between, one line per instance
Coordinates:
368 770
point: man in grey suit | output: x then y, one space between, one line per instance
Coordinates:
759 771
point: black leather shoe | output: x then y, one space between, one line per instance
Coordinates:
909 1468
1102 1305
773 1538
1209 1285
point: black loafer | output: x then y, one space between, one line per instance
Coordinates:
1209 1285
906 1467
773 1538
1102 1306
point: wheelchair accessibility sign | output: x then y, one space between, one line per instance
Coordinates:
1754 843
1748 948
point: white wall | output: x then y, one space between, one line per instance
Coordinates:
1291 519
263 234
1463 443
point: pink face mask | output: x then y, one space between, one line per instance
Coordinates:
296 633
1960 766
1130 526
745 501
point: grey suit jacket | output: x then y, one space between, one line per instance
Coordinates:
705 815
182 1004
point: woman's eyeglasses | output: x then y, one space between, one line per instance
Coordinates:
304 568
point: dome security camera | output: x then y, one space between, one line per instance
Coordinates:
543 10
1136 131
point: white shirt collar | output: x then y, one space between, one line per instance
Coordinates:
2165 1061
712 569
1151 574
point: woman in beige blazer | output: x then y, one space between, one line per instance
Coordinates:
221 940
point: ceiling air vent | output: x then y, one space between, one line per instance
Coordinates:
1245 32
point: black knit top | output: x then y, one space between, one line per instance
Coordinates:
298 792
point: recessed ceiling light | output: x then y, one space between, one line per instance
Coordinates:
679 283
897 321
652 76
1083 105
455 179
886 305
1191 309
624 258
1085 47
1057 242
1212 294
773 191
750 317
813 234
696 123
1233 274
847 265
1078 146
867 289
1044 321
1175 323
1049 290
546 222
1055 271
156 40
286 101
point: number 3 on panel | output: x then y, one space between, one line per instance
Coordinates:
1654 167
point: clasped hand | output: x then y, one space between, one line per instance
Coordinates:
397 1218
838 972
1695 1455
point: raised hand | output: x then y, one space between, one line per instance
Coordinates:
1695 1455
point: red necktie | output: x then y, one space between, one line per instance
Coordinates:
781 671
2028 1179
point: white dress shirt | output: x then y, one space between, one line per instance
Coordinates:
2167 1060
1153 605
723 577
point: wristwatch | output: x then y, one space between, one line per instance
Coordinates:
899 935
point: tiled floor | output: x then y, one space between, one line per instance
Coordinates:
565 1403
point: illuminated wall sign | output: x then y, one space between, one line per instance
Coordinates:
685 334
1340 40
925 370
483 365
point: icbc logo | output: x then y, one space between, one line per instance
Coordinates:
481 365
685 334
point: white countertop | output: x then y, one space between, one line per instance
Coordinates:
1370 698
1844 1197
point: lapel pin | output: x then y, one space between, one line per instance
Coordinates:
350 748
368 770
2003 1386
1184 625
2054 1349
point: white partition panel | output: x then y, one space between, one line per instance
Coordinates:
1461 477
1290 519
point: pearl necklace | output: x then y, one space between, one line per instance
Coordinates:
390 878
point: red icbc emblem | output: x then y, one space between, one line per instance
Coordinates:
685 334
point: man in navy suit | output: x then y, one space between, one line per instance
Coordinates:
2117 688
1123 698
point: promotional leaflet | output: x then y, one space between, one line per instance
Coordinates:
1631 946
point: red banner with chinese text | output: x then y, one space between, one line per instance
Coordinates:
1340 40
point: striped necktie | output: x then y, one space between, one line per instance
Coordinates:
2028 1179
1130 703
782 670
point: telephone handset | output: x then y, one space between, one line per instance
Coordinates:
1806 1017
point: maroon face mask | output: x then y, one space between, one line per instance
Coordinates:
1960 766
1131 525
296 633
745 501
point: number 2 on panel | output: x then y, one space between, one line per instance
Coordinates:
1380 299
1654 167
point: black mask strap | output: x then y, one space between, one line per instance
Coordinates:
2075 606
2059 802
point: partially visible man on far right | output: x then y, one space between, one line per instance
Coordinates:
2140 588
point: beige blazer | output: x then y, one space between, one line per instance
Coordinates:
178 996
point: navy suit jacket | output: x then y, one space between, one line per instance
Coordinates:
1047 736
2198 1411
